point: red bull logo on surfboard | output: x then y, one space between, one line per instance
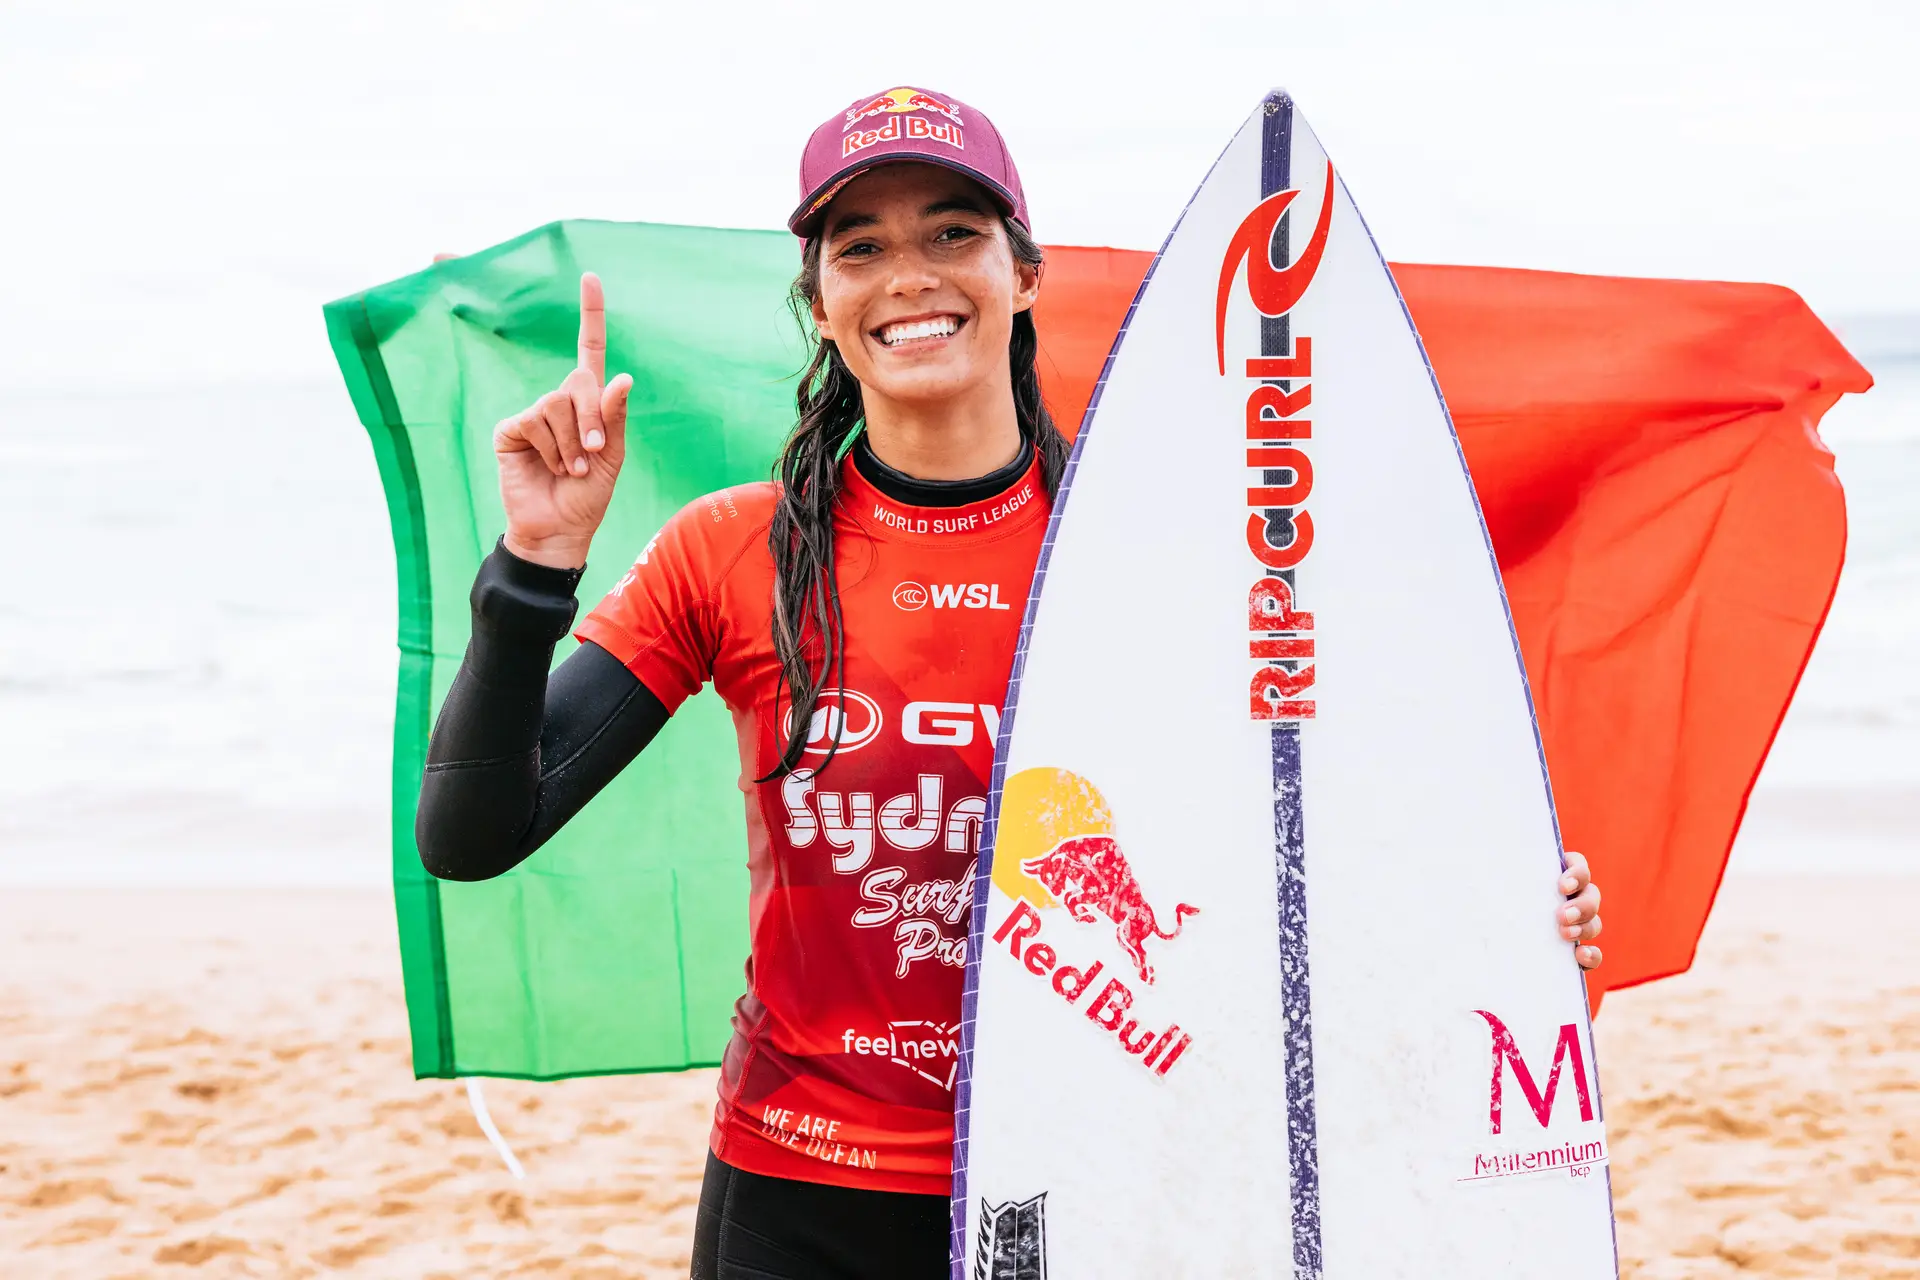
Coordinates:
1057 847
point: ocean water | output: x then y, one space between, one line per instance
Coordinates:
1840 791
196 638
197 661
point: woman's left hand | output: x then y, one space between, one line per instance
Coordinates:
1579 919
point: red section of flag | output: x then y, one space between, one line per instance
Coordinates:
1667 521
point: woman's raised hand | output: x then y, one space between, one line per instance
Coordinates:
559 459
1579 916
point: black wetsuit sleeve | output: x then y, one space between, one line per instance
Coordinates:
517 752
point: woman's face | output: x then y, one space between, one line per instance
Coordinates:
918 284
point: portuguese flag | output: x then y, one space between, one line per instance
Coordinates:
1665 515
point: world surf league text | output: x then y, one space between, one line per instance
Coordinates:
966 523
1108 1009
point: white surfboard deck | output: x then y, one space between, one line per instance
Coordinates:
1333 1030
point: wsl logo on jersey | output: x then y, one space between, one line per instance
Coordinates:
1279 525
911 597
1013 1240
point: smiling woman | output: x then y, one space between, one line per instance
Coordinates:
936 296
858 614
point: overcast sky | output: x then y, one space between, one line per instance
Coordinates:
186 183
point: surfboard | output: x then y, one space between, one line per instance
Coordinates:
1263 976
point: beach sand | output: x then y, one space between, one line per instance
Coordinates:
215 1083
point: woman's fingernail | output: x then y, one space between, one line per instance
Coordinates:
1570 932
595 439
579 466
1570 915
1568 884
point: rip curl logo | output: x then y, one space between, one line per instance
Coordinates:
1013 1240
1274 289
1279 528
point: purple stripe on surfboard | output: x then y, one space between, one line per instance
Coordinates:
1289 825
989 829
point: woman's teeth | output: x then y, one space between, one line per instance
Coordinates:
938 327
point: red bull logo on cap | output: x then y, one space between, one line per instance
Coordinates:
899 127
1057 847
909 114
898 102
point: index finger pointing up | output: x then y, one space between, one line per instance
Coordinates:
593 328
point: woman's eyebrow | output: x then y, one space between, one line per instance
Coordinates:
953 204
853 222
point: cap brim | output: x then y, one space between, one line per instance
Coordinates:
805 219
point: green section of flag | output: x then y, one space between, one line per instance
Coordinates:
619 946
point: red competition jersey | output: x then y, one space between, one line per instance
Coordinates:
846 1043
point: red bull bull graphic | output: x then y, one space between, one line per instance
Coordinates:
1090 876
899 102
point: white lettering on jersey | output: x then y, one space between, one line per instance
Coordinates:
947 724
912 597
912 822
853 837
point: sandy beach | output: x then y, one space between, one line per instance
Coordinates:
215 1083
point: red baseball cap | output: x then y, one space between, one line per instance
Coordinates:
904 124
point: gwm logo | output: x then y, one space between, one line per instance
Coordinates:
1577 1146
853 719
913 597
1279 528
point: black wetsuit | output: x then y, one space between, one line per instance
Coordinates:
517 752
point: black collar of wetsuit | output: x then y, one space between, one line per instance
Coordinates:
913 492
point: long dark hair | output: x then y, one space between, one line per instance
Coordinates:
808 629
